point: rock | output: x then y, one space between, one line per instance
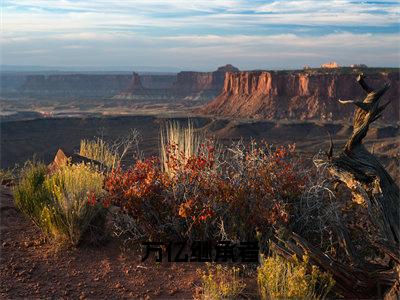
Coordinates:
330 65
299 95
28 244
75 85
187 85
118 285
61 159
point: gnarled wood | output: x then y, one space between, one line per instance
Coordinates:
373 187
362 172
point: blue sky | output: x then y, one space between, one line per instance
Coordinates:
200 34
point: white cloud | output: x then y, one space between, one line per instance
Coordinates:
156 32
198 51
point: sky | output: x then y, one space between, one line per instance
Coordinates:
200 34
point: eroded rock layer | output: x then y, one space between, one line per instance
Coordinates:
297 95
185 85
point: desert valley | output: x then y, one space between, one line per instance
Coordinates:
299 106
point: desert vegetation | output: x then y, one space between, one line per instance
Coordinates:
196 190
62 204
325 228
279 278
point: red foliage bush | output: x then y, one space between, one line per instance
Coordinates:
250 190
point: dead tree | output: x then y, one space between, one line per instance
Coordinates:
362 172
372 187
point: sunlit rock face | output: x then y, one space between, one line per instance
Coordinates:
297 95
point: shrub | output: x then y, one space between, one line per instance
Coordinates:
100 151
30 195
279 278
221 283
139 193
214 193
7 175
259 187
75 191
64 205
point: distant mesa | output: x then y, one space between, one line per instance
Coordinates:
227 68
358 66
187 85
330 65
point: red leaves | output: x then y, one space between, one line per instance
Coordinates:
92 199
127 189
258 193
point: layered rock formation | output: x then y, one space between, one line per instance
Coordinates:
185 85
148 87
297 95
201 85
75 85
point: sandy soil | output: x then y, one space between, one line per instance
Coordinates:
32 268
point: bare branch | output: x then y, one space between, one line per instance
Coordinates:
363 84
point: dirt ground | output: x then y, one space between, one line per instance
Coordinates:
30 267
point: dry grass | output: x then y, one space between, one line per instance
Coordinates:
178 141
100 151
221 282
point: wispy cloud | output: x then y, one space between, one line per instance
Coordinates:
197 33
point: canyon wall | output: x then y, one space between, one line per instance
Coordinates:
147 87
297 95
185 85
74 85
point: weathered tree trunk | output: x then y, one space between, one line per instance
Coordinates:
372 187
362 172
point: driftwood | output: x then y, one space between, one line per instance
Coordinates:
372 187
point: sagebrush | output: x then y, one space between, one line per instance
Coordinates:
221 282
63 204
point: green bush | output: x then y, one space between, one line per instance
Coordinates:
280 279
30 195
64 205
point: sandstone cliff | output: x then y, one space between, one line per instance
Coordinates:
297 95
201 85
